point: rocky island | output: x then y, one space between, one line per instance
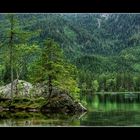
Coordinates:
33 99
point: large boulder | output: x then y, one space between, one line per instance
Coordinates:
58 102
21 86
63 103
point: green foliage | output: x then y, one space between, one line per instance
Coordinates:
69 33
35 72
61 72
96 52
51 68
23 56
95 85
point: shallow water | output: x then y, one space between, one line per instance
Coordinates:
112 109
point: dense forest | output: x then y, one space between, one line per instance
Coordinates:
97 52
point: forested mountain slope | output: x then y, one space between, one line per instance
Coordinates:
97 44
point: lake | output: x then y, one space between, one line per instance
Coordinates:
104 109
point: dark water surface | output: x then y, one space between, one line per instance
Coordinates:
112 109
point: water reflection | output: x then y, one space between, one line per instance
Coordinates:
112 109
38 119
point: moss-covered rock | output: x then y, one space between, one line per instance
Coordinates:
63 103
22 104
58 102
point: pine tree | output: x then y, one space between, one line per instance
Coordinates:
13 34
58 72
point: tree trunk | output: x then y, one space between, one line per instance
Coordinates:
11 53
49 87
16 84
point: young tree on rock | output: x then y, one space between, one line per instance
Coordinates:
58 72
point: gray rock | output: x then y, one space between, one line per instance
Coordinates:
1 108
22 86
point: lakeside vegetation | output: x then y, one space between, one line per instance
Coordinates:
45 58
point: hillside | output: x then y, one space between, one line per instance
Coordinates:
97 44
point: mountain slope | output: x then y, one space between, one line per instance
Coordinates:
96 43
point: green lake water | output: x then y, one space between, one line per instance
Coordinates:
115 109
